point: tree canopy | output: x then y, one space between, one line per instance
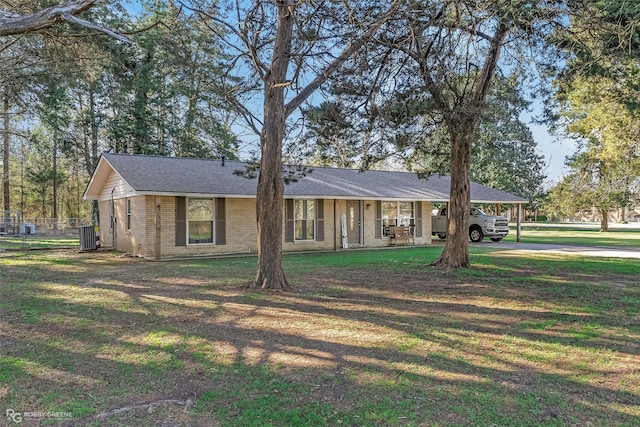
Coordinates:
355 129
605 172
161 94
596 102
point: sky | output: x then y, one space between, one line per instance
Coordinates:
554 150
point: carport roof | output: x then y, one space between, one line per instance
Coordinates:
205 177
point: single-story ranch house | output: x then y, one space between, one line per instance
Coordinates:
164 207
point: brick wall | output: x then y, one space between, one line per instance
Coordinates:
241 234
240 225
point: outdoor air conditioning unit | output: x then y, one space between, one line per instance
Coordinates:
87 238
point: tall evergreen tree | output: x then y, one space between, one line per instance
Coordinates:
166 91
161 95
457 49
596 101
441 58
286 50
606 169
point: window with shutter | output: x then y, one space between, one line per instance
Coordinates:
320 220
181 221
221 227
288 226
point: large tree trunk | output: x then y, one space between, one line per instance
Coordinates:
270 194
5 155
461 122
269 211
456 249
90 148
55 181
604 219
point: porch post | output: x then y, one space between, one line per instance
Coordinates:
518 223
335 225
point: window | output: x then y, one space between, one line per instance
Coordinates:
128 214
396 213
304 219
200 219
477 211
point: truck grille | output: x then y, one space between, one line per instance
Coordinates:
502 223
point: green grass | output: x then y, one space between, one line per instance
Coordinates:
368 338
256 396
35 242
565 235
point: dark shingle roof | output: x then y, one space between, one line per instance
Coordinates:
168 175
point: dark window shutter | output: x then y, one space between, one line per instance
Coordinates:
320 219
221 230
418 214
181 221
378 219
289 223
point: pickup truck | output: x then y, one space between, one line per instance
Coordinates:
481 225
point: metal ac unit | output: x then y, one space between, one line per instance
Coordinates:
87 238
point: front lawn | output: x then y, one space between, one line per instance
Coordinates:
368 338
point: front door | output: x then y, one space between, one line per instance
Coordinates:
353 222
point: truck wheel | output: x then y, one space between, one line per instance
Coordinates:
475 234
442 236
496 239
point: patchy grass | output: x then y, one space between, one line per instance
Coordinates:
37 242
368 338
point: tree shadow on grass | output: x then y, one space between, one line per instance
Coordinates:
360 350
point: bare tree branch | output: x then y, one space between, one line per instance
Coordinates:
489 67
8 44
240 30
15 24
85 23
341 59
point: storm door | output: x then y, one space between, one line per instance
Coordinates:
354 222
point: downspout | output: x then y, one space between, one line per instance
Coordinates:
335 226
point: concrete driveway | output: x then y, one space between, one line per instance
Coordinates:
599 251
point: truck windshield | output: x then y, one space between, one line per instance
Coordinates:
477 211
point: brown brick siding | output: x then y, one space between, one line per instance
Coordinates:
241 235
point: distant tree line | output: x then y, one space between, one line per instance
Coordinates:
68 93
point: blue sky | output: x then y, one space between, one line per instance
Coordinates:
554 150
